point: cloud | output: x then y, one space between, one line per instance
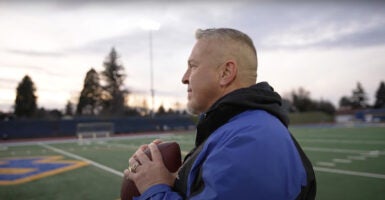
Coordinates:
34 53
330 34
8 83
312 24
13 73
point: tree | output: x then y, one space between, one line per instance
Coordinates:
25 102
90 96
326 107
287 105
161 110
359 99
301 100
345 102
69 109
54 114
113 95
170 111
380 96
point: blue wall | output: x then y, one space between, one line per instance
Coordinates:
376 115
54 128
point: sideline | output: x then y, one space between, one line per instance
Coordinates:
98 165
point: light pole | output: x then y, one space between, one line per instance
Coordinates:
152 76
151 26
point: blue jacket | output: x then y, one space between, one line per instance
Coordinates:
243 151
240 160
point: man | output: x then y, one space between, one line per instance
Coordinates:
243 149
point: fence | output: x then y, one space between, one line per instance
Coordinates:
60 128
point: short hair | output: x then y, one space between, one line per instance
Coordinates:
226 32
238 44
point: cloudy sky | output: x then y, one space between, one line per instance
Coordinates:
326 48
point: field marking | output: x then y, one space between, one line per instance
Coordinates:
348 172
330 150
103 167
339 160
374 154
38 163
342 141
354 151
356 157
327 164
125 146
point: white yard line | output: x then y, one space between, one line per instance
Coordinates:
98 165
339 160
326 164
354 151
126 146
356 157
348 172
342 141
330 150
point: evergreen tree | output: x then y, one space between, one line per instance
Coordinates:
161 110
25 102
90 96
380 96
359 99
113 95
69 109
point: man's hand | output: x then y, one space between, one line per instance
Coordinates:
148 172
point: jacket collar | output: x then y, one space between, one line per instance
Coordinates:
259 96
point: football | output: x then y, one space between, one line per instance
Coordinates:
172 159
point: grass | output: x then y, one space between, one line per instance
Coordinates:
352 150
310 117
350 141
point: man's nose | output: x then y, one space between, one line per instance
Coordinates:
185 77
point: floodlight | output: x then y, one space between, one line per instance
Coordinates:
149 25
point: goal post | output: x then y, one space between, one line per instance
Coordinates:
94 130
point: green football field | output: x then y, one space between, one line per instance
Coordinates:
349 164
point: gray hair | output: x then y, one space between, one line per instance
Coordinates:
237 44
223 33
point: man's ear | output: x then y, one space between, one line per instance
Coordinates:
229 72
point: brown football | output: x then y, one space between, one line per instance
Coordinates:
172 160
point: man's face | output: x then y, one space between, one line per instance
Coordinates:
202 77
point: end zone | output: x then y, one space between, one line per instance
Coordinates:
24 169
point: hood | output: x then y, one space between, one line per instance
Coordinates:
260 96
